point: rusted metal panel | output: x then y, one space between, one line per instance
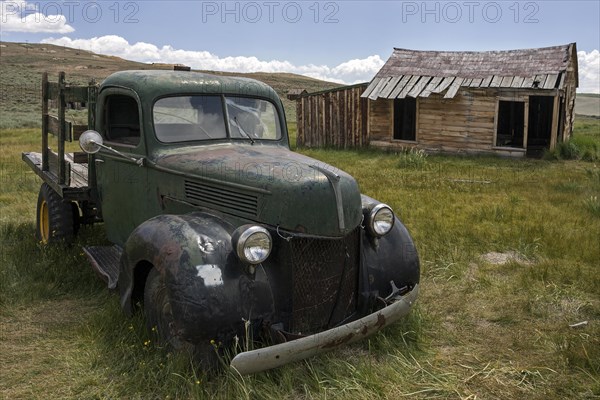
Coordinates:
453 89
444 84
506 81
409 86
527 82
370 88
430 86
419 86
382 83
539 81
550 81
385 92
401 84
476 82
496 81
517 82
486 81
561 83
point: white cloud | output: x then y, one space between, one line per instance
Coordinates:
26 17
353 71
589 71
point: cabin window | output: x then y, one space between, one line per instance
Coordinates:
511 124
122 120
405 119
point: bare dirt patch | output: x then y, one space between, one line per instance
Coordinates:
496 258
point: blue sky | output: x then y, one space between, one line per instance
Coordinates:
345 41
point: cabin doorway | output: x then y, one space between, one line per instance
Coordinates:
539 126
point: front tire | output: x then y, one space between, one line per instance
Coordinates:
160 320
54 217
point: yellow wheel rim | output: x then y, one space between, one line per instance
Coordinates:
44 222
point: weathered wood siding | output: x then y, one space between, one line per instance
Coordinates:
381 119
467 122
334 118
464 123
569 96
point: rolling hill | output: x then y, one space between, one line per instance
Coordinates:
22 65
588 104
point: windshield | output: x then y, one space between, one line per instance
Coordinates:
192 118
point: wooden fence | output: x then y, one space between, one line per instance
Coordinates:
333 118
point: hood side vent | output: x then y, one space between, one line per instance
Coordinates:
226 200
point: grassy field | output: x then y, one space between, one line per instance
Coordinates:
510 301
509 253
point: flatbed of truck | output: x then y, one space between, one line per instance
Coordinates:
76 180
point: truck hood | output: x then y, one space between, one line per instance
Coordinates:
265 183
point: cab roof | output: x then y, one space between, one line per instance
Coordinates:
157 83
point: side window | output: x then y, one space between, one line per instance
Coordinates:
122 120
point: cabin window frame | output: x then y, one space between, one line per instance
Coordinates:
516 99
393 124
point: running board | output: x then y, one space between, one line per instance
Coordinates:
105 261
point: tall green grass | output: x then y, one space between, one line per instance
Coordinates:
584 145
479 329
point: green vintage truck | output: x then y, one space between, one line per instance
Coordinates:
219 231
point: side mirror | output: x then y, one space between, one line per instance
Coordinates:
90 142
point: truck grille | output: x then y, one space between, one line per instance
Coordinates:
221 198
325 281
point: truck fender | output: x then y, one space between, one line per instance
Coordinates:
211 291
392 257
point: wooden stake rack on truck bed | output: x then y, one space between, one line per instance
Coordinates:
66 173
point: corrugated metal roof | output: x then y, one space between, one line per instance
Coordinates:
417 73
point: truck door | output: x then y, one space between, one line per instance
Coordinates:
122 184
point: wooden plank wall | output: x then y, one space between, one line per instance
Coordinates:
381 119
569 99
464 123
336 118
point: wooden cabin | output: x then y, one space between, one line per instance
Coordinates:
516 102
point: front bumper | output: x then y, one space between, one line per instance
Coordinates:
253 361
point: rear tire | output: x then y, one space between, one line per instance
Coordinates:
160 321
55 220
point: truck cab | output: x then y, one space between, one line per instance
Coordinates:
218 230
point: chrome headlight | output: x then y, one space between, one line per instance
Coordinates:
381 220
252 243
